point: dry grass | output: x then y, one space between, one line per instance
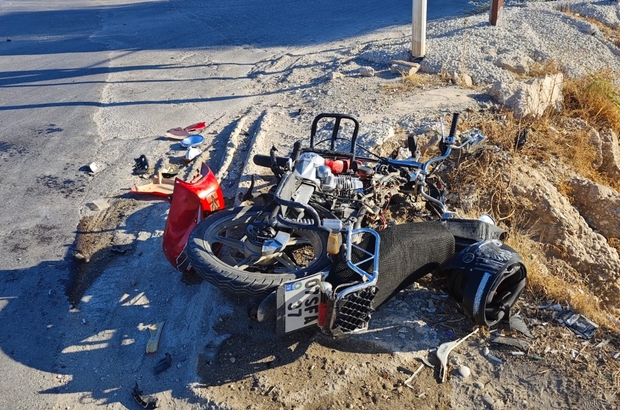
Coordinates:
412 82
595 98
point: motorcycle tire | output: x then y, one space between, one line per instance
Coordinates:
218 242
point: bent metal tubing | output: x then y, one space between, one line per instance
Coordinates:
368 279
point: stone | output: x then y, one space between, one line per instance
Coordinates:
335 75
573 244
405 70
516 64
611 154
367 72
587 198
488 399
464 371
530 97
98 205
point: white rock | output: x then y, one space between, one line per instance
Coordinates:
464 371
367 72
531 97
488 399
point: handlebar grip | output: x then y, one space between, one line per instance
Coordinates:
455 121
265 161
296 151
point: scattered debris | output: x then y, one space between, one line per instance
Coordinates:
192 152
578 323
511 341
163 364
426 362
192 141
159 186
444 350
495 359
141 165
121 250
521 138
601 344
410 378
98 205
179 133
517 323
153 343
147 402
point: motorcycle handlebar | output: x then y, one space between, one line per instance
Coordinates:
455 121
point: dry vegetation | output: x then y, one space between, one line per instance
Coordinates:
560 141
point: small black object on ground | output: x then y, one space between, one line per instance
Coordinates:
146 402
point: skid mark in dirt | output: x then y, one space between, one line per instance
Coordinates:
97 245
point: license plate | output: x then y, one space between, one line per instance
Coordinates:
298 303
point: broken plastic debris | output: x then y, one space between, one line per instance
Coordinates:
147 402
141 165
495 358
601 344
159 186
410 378
179 133
153 343
163 364
192 152
517 323
444 350
578 323
511 341
93 167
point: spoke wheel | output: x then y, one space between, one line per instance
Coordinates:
227 250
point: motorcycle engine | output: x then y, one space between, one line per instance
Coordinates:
315 168
336 191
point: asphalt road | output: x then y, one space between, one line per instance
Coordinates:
86 81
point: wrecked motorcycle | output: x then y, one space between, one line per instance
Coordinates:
321 251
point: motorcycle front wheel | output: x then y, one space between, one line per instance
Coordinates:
228 250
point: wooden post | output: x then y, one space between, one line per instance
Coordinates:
496 9
418 37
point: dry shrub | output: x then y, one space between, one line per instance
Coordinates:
542 69
411 82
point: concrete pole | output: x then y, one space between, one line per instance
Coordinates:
418 38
